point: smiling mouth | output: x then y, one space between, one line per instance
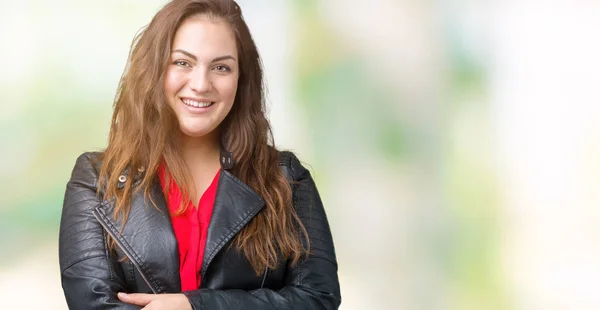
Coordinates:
197 104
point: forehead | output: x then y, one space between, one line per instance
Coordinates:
205 37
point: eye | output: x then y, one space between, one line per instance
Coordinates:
222 68
182 63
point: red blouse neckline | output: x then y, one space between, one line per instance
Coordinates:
190 228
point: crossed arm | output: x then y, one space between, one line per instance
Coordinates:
90 279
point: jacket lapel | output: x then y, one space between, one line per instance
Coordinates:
147 238
235 205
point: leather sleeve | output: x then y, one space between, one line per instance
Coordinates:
88 274
311 284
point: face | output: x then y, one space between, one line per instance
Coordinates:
202 75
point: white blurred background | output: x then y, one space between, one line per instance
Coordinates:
456 144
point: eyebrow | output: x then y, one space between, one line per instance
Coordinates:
190 55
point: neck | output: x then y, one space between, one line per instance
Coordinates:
201 153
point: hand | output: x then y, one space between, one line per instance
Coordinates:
157 301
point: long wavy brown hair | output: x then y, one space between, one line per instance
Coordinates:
143 128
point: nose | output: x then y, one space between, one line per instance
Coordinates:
200 81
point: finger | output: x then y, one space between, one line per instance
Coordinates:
151 306
148 307
137 299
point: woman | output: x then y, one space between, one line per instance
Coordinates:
190 206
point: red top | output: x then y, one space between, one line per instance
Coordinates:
190 229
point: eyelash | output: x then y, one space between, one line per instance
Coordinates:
226 69
183 63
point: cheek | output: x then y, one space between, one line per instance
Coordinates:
229 89
173 83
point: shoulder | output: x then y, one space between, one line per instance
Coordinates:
291 166
86 169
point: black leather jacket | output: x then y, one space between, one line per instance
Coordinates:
92 276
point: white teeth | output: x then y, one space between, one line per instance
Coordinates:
196 104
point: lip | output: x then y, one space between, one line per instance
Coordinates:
197 99
197 110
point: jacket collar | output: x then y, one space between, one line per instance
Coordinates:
148 239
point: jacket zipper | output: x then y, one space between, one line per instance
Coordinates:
264 277
129 256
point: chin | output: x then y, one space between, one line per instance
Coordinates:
196 132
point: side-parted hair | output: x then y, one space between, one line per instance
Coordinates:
144 131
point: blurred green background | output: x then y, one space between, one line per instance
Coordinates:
455 143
